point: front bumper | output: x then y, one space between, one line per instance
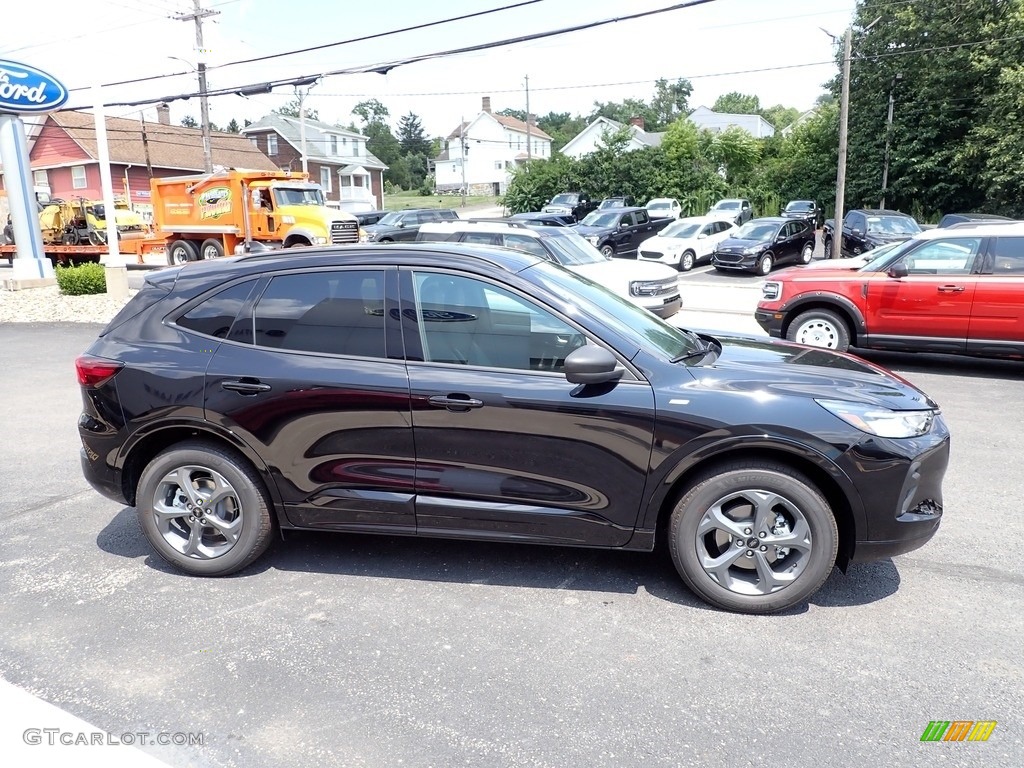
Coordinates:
770 321
745 264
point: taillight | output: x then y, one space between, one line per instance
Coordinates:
93 371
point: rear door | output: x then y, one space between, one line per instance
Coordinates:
997 315
311 377
506 448
930 308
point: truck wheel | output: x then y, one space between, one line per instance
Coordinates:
182 252
211 249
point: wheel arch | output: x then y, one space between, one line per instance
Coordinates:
144 446
829 480
848 312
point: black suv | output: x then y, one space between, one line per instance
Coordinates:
488 394
867 228
619 231
762 244
403 225
575 204
804 209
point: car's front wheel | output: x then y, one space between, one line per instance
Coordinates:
686 261
820 328
204 509
765 264
753 537
607 250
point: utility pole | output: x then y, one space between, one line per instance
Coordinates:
462 143
145 145
301 96
529 153
888 137
198 15
844 114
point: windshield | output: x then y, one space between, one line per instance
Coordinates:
570 248
726 205
563 200
656 204
597 219
680 229
298 196
800 205
755 230
640 327
612 203
892 225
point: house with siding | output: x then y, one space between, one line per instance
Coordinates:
336 158
596 133
716 122
481 153
65 157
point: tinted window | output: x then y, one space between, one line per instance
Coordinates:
482 238
465 321
528 244
337 312
213 317
1008 256
641 217
944 257
448 215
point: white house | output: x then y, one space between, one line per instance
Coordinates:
713 121
803 118
590 138
480 153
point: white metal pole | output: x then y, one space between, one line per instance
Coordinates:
116 272
30 263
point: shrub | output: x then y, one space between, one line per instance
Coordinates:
81 280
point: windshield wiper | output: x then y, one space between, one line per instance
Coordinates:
696 354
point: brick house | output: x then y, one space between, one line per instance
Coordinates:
64 155
337 159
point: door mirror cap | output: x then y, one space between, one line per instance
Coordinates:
856 231
898 270
592 364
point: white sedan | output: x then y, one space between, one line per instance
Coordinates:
684 243
664 208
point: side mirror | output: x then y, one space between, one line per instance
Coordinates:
400 225
898 270
592 364
856 231
702 235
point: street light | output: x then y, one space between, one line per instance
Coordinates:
204 111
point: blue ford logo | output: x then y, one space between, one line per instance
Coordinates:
26 89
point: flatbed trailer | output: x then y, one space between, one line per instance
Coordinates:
72 255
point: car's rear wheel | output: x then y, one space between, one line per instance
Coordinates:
204 509
765 264
807 253
820 328
753 537
686 261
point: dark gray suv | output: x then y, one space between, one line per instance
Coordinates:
397 226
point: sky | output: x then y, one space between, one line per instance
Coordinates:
779 50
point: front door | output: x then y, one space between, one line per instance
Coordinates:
930 308
506 448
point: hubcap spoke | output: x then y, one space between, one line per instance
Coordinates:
764 509
716 519
195 538
768 579
183 477
719 566
229 529
219 493
165 513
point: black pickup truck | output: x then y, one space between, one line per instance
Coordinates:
619 231
575 204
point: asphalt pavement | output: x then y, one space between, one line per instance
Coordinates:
345 650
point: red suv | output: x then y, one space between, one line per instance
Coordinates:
957 290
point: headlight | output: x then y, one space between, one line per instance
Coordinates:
752 250
370 237
321 240
771 291
876 420
645 287
287 219
592 239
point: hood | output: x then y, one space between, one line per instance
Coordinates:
381 228
881 238
752 365
739 244
584 231
659 243
624 271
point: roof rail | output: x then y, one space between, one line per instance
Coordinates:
486 220
981 223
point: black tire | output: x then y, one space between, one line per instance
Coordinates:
807 253
385 240
245 509
765 264
739 583
211 249
687 260
182 252
607 250
827 248
820 328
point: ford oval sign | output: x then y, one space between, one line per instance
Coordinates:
25 89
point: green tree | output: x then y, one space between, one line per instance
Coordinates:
371 111
189 122
291 109
780 116
735 103
412 138
669 102
233 126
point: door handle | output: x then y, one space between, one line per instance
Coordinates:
245 386
455 403
951 289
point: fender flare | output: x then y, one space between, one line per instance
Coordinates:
848 308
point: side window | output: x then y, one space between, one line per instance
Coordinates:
482 238
856 221
337 312
214 316
465 321
944 257
528 244
1008 256
641 217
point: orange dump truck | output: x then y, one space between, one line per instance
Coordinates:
229 212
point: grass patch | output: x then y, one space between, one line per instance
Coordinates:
413 199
